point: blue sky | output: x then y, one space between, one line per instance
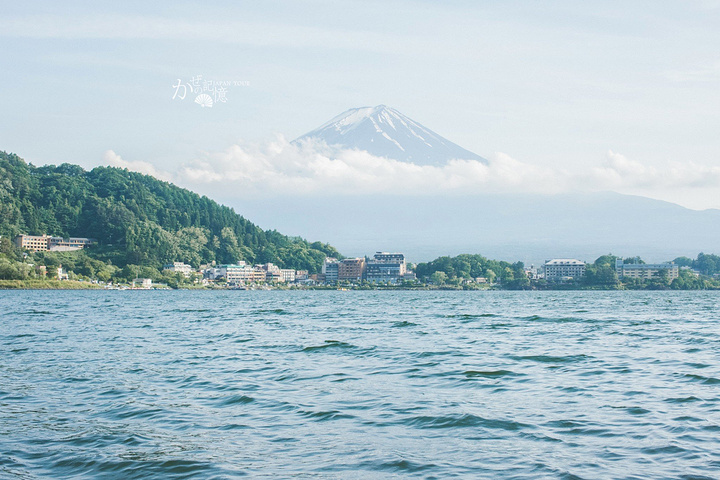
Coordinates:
619 95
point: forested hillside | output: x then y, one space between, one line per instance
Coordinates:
138 219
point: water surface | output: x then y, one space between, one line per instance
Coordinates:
359 384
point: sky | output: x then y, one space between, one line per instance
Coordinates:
560 96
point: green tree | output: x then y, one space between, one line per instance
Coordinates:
229 249
439 278
683 261
601 273
606 260
707 264
634 260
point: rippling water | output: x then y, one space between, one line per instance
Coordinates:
318 384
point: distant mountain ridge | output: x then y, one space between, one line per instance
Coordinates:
527 227
385 132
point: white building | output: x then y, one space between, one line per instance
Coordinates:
409 276
242 273
144 283
62 274
563 269
533 273
180 267
287 275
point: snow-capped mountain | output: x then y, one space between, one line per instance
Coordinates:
385 132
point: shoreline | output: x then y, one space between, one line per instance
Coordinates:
48 285
78 285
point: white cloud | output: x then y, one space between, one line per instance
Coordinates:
618 172
686 183
281 168
313 168
114 160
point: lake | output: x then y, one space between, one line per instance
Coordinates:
359 384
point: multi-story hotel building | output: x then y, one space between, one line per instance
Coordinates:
645 270
330 270
351 270
236 274
32 242
50 243
386 267
562 269
179 267
287 275
272 272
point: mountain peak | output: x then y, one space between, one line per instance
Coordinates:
384 132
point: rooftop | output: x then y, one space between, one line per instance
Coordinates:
564 261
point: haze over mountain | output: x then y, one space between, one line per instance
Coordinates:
526 227
385 132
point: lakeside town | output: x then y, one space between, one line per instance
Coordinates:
383 269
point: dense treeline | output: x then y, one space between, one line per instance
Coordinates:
704 263
600 274
455 270
139 220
